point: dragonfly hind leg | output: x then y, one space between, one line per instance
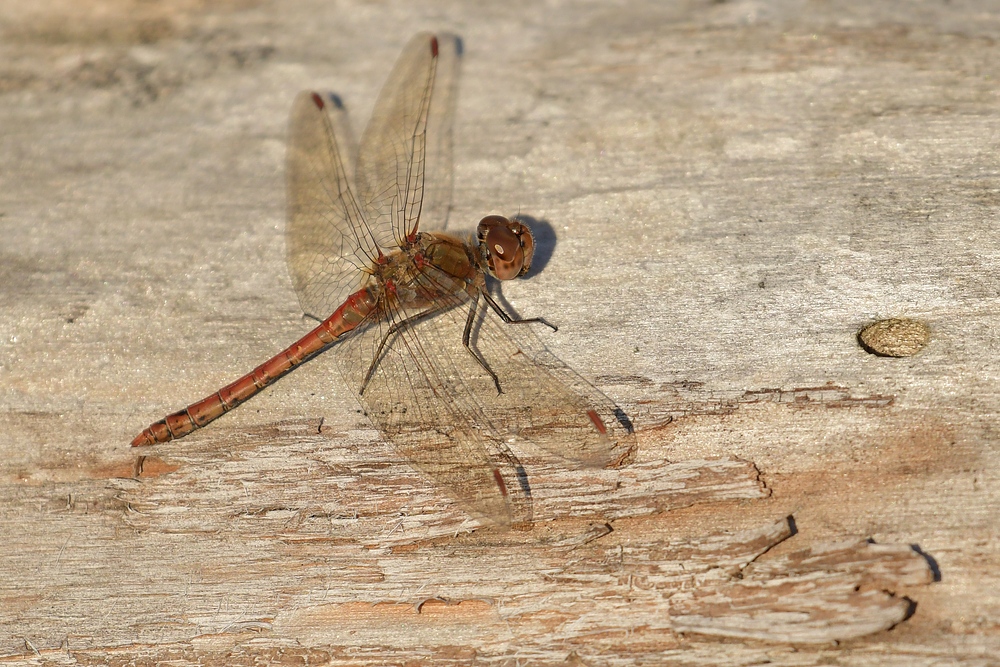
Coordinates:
393 330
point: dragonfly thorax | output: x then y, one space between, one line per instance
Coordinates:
430 267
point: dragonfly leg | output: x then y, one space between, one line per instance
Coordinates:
393 330
511 320
467 335
507 319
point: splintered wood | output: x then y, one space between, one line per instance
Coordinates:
821 594
363 491
287 540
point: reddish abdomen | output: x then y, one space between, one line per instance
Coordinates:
351 313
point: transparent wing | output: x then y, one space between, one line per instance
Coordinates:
440 408
440 120
328 241
426 393
408 138
544 401
331 239
418 399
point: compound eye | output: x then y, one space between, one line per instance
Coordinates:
507 245
503 243
505 248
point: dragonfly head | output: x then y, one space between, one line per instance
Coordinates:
506 246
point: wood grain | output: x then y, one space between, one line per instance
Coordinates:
723 195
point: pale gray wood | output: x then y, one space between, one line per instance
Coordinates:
727 193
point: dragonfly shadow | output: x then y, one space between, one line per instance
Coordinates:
624 420
521 510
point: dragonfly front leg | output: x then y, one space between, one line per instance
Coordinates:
507 319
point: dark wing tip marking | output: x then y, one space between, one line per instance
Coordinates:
318 101
500 483
598 423
434 46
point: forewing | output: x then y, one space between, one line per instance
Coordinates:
408 138
327 240
438 152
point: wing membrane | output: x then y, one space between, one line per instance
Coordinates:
545 402
397 148
425 392
417 398
334 235
328 243
440 408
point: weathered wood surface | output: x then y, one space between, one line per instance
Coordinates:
727 193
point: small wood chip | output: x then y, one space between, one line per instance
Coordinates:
894 337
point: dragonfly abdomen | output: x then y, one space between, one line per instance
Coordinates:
355 310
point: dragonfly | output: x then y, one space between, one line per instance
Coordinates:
442 369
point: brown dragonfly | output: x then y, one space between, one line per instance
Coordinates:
444 372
